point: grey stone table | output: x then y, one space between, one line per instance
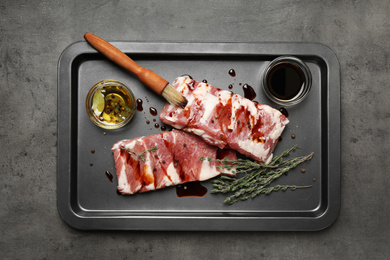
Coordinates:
33 35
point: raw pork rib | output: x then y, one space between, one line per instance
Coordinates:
166 159
225 119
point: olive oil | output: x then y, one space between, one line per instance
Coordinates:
110 104
117 104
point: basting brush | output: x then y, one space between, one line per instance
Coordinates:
146 76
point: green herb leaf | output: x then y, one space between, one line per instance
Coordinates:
256 177
141 155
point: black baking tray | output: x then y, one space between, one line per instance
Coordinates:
86 198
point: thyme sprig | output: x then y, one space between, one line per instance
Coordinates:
257 176
141 155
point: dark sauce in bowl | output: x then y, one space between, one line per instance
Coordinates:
285 81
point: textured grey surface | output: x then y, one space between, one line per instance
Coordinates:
33 35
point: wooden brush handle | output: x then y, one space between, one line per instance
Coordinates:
146 76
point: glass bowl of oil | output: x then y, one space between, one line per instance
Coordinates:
110 104
287 80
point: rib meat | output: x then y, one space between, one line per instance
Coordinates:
225 119
166 159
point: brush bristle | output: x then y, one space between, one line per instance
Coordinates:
173 96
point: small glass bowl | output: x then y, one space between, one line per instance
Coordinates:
107 115
295 64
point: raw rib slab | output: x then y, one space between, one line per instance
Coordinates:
225 119
170 158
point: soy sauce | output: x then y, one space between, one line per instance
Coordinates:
153 111
191 189
249 92
284 111
285 81
109 176
139 105
187 76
